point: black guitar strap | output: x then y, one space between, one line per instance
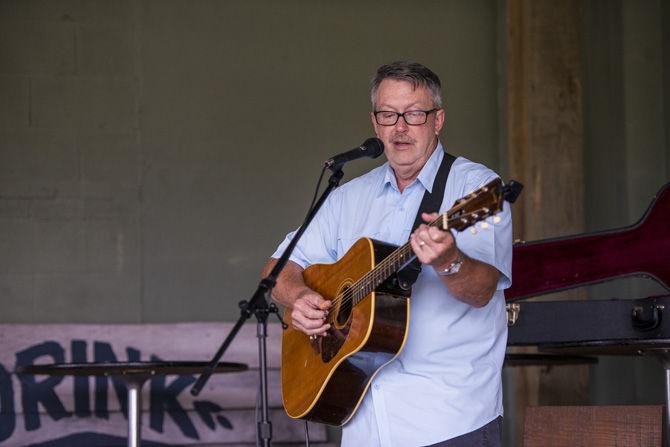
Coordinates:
432 200
430 203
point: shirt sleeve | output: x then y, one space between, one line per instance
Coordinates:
491 244
318 244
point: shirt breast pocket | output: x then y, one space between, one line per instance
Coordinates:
344 244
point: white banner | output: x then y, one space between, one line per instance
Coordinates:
90 410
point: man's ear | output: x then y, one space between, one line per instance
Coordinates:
439 121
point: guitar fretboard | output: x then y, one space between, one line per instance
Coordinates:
398 259
476 206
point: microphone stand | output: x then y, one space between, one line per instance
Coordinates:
258 306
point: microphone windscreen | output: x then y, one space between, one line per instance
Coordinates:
375 146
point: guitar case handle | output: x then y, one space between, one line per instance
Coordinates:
648 317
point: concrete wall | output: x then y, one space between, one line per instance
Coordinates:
153 153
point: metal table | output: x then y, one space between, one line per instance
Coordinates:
134 374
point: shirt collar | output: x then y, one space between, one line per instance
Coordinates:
427 174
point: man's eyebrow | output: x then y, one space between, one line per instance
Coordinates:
388 107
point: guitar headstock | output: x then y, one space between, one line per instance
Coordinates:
480 204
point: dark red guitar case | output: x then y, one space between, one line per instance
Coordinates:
551 265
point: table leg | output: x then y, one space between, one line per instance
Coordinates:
666 408
664 357
134 385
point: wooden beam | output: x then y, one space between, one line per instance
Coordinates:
545 115
546 152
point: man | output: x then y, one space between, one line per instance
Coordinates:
444 388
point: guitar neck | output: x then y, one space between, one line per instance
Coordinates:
468 210
395 261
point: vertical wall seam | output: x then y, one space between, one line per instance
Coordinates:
141 156
30 102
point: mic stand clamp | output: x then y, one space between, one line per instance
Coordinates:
261 306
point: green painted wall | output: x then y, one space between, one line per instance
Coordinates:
153 153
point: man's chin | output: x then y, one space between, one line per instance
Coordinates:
402 162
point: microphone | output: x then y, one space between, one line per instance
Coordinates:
372 147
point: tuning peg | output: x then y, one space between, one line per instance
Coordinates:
496 219
484 226
473 230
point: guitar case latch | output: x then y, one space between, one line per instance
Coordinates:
512 310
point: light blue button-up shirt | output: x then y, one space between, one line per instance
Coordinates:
447 379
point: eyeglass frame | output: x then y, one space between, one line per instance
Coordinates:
398 115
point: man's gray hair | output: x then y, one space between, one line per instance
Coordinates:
416 74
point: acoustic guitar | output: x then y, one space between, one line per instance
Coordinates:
325 379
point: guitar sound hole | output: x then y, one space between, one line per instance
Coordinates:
344 310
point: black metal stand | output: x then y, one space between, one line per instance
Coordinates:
258 306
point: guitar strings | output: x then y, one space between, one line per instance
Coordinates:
402 253
378 271
390 263
386 267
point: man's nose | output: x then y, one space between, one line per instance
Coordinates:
401 125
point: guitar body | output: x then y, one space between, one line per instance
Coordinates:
324 380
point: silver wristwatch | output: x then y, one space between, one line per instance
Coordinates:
454 267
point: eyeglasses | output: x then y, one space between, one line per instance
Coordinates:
411 117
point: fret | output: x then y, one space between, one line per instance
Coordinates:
391 264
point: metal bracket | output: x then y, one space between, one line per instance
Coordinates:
513 311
